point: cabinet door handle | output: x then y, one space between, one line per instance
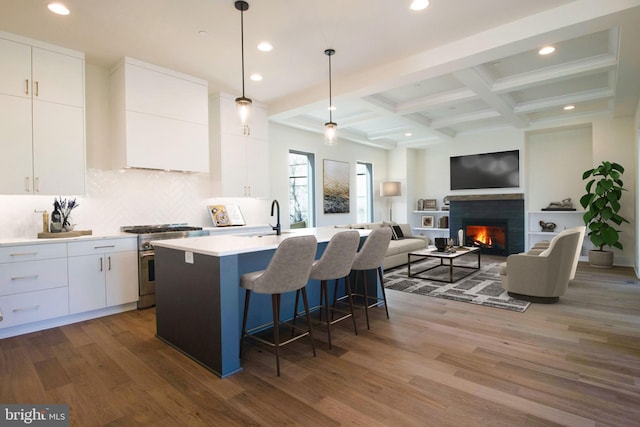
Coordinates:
109 267
33 276
23 253
30 308
36 184
104 246
101 264
26 86
37 89
27 186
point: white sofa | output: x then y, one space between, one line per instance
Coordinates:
398 249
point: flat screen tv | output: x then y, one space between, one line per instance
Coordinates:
487 170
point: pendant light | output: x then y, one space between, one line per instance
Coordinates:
330 128
243 104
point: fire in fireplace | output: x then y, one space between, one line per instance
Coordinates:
489 236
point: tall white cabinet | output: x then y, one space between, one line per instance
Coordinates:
239 163
160 118
42 124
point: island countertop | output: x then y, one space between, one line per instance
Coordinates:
245 243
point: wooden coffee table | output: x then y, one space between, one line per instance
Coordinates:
433 253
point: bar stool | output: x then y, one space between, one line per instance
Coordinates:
370 257
287 271
335 264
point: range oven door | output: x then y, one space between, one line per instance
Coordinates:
147 279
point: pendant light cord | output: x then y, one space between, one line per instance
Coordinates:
330 101
242 46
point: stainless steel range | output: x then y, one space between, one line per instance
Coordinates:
146 254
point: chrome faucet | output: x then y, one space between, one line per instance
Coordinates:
277 227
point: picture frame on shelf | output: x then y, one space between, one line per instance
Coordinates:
429 205
427 221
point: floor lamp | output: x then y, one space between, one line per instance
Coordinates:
390 189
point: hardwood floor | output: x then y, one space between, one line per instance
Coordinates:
435 362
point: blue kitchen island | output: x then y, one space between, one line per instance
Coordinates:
199 302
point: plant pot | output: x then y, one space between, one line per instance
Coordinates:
601 259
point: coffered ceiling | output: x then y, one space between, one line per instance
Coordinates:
399 77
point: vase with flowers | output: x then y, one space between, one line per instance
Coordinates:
64 207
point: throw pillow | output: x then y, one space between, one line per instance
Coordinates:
397 232
393 234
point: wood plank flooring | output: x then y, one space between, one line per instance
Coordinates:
435 362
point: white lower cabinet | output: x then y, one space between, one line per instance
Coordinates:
102 274
33 283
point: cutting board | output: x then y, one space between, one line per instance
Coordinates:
74 233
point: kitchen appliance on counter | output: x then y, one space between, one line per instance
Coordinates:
146 254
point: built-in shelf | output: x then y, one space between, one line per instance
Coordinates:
416 223
562 220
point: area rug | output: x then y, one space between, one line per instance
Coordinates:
482 287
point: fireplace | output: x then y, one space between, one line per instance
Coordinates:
490 210
489 235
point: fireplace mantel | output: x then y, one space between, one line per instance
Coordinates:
472 197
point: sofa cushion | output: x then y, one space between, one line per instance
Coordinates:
405 245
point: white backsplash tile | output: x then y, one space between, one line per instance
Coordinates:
114 199
128 197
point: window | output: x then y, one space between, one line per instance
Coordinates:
364 177
301 189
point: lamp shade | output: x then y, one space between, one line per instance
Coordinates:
390 188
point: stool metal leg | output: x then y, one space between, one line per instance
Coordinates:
306 310
275 303
244 319
384 294
347 285
325 293
366 297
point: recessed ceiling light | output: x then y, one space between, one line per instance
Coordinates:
203 33
256 77
58 8
408 134
265 47
547 50
569 107
419 4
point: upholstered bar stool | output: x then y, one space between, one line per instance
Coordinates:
371 257
335 264
287 271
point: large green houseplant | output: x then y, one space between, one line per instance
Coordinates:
602 204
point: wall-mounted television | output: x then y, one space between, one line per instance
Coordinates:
486 170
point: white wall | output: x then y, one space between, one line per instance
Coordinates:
551 153
282 139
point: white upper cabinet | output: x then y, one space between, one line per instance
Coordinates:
42 126
160 118
239 163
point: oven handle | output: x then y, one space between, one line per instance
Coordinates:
148 254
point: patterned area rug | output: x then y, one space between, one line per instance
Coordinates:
482 287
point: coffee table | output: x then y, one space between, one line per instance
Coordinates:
433 253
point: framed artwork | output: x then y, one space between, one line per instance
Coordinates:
335 187
429 204
427 221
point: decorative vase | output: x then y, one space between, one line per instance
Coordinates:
601 259
68 224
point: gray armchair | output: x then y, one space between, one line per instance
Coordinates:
543 277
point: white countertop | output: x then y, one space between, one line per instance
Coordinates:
35 240
252 242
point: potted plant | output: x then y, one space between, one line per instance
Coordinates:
602 204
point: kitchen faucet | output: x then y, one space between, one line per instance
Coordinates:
277 227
